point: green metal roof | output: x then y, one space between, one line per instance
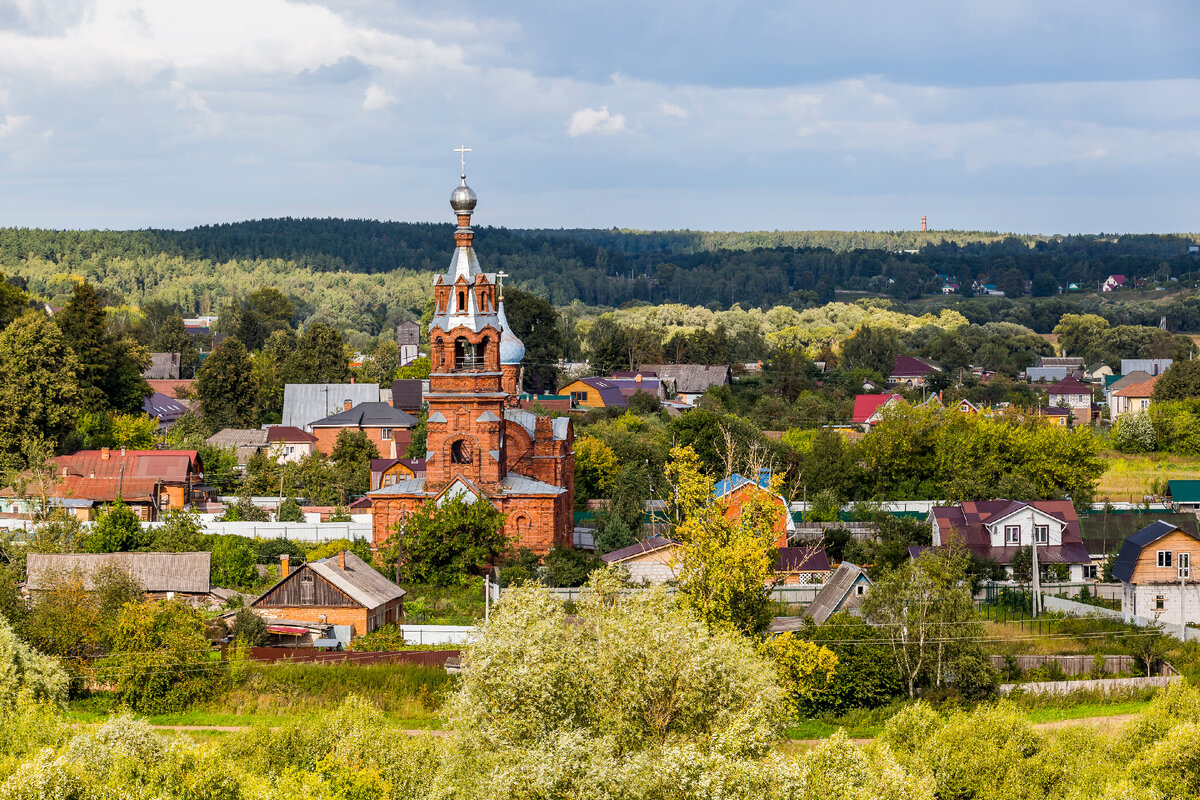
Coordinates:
1184 491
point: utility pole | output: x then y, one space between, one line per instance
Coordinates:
1037 580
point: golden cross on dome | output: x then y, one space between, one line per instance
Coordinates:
500 276
462 151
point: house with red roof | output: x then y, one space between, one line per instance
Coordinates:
912 371
868 408
1133 398
997 529
1112 283
1073 394
289 443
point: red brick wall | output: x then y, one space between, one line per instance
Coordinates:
354 617
743 494
327 438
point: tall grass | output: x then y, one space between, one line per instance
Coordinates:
407 690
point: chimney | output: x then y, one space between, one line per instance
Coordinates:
284 565
104 454
342 560
638 379
122 452
347 405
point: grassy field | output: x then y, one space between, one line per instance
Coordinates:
1129 477
435 605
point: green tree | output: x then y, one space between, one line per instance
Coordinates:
446 545
289 511
806 670
134 431
180 532
418 441
1013 284
1078 334
172 337
351 456
613 534
726 565
871 348
13 302
595 470
536 324
233 560
567 567
1180 381
117 530
160 659
124 387
27 676
249 629
1134 433
320 356
1044 285
866 675
84 329
38 386
225 386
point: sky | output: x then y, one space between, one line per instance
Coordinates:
1007 115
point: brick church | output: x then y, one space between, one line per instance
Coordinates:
479 442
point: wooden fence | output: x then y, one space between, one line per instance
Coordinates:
1105 685
1071 665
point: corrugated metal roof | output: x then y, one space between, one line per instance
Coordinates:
162 366
1184 491
649 545
407 394
304 403
156 572
519 484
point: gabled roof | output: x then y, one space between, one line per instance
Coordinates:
289 434
867 405
1070 386
163 407
1143 389
692 378
801 559
1127 379
162 365
1060 361
156 572
910 366
238 437
836 594
305 402
968 521
654 543
359 580
1132 548
609 391
368 415
1184 491
168 386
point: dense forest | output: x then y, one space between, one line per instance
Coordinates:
365 276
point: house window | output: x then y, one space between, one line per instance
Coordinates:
289 450
1012 534
1145 404
1041 534
1090 572
579 397
1160 603
1185 565
860 589
306 591
1164 558
385 434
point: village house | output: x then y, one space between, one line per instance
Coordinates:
244 442
1055 369
1154 567
288 444
1112 283
1183 495
691 381
650 561
390 429
164 408
479 443
162 576
736 491
869 408
997 529
1151 366
615 391
1133 398
339 590
912 371
801 566
387 471
305 403
1071 393
844 590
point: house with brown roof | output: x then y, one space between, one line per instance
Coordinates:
287 443
1077 396
1133 398
613 392
339 590
652 560
801 566
408 394
912 371
997 529
176 475
388 471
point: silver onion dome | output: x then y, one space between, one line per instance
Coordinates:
463 200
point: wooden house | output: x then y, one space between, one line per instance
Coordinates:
1154 567
339 590
161 575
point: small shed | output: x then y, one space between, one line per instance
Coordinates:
339 590
647 561
843 591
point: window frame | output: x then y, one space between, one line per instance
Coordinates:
1164 562
1011 541
385 434
1041 534
1183 565
1160 603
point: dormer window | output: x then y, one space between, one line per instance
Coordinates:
1012 535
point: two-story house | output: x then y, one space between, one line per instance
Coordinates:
1155 571
997 529
1077 396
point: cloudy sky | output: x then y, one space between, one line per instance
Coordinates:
1010 115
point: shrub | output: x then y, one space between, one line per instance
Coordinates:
568 567
805 669
289 511
27 675
1134 433
974 676
249 629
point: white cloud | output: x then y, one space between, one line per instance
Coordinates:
376 98
12 124
672 110
595 120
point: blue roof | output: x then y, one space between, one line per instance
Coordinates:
734 481
1133 546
